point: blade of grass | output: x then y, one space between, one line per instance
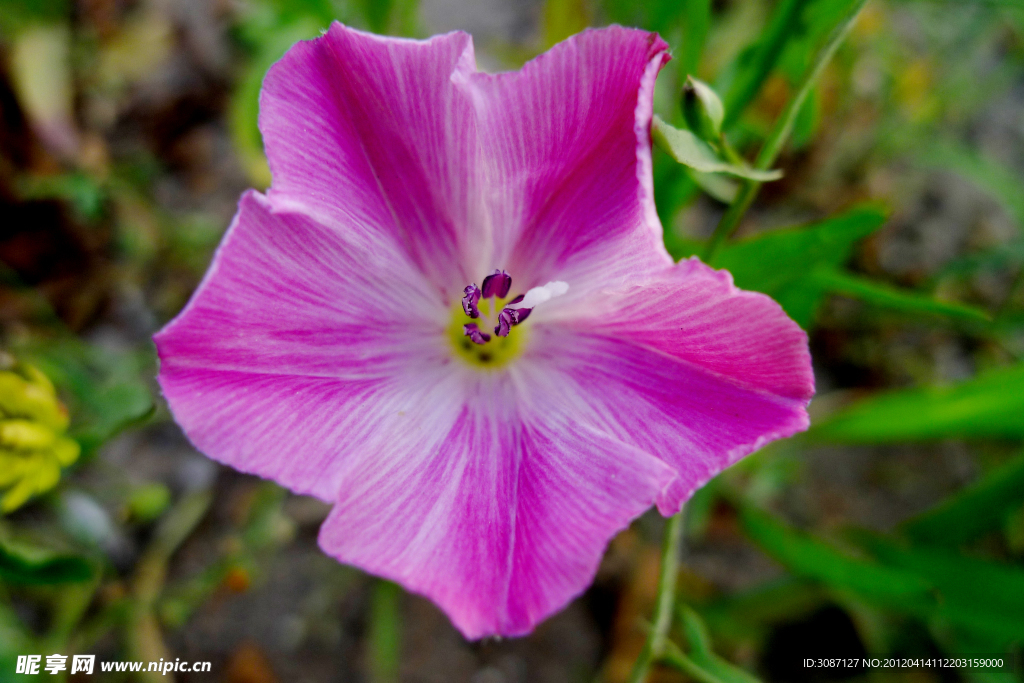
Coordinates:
973 510
781 130
881 294
987 406
769 48
812 558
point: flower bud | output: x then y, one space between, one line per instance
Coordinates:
702 110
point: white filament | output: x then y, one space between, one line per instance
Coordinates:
539 295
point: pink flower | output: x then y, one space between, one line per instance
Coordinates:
359 335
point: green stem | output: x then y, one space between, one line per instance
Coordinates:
144 639
385 633
780 132
677 659
654 646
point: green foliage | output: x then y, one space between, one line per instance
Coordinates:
799 266
982 506
977 600
83 192
24 565
691 151
782 263
982 597
988 406
105 387
702 109
269 28
812 558
700 662
881 294
17 15
756 63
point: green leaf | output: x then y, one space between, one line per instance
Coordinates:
701 654
106 388
980 595
988 406
812 558
779 263
880 294
22 565
717 186
689 150
980 507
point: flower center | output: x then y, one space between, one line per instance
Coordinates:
483 328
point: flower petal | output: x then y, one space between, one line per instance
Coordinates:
505 520
694 313
368 134
294 347
567 159
687 368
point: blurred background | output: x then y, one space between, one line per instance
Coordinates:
895 527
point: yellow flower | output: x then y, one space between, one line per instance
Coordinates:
33 447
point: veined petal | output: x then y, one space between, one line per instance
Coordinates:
695 314
367 134
687 368
294 348
567 161
505 520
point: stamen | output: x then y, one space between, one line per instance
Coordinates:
470 297
509 318
496 284
474 333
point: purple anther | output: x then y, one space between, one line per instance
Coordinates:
509 318
470 296
474 333
496 284
516 300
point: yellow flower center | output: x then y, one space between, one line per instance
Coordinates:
496 353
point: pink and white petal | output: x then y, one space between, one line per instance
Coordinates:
368 135
695 421
687 368
695 314
578 488
567 161
294 340
504 521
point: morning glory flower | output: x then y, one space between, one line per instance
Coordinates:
453 318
